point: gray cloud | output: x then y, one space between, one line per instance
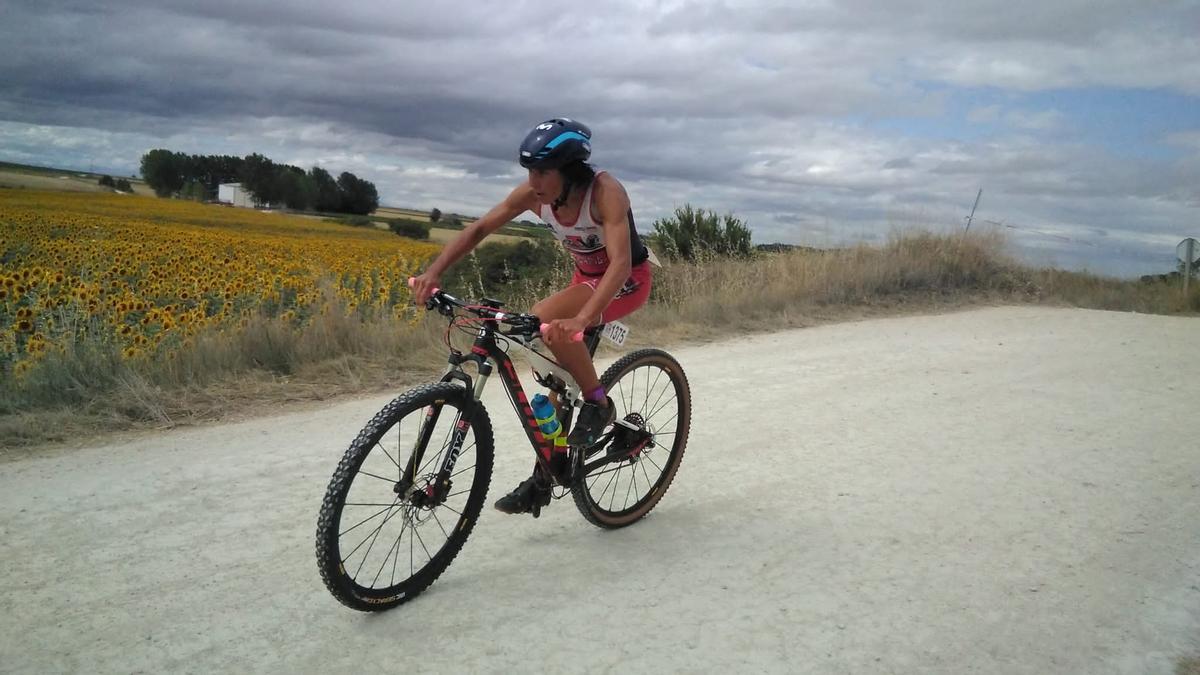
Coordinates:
761 109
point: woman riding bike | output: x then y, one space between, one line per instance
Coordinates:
589 212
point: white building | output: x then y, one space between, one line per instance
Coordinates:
232 193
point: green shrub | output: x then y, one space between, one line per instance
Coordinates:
693 233
525 270
413 229
355 221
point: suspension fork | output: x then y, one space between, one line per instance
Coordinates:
462 422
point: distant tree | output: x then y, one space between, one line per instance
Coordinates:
294 188
358 196
258 177
213 170
123 185
106 181
325 190
435 215
194 190
163 171
692 232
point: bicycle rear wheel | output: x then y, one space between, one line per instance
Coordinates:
626 478
390 524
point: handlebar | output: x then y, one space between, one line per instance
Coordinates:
445 304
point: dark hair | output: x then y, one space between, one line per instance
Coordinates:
577 174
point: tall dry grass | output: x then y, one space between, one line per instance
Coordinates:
716 294
89 388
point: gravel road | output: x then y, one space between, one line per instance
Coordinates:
1002 490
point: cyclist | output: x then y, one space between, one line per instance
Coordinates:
589 212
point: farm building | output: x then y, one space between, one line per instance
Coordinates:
233 193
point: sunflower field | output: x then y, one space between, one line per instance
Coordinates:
144 276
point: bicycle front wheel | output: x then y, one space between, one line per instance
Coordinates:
629 475
392 520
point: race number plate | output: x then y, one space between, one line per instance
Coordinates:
615 332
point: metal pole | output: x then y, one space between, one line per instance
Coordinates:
973 210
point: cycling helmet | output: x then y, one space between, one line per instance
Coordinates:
554 143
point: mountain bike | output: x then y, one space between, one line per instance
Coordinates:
416 476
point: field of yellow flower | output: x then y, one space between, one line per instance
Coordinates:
146 275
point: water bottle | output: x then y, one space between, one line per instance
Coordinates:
547 419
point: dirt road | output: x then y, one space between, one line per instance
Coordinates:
1008 490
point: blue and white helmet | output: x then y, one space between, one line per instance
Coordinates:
554 143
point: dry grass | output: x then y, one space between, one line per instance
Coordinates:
271 362
443 236
68 182
389 212
913 271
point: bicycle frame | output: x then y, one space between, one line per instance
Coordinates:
485 351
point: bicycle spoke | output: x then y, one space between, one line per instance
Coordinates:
396 558
452 509
633 486
460 492
616 467
373 538
650 387
387 555
647 457
375 515
664 403
621 387
669 419
610 482
466 469
612 501
389 455
646 474
418 533
628 488
366 504
439 522
386 480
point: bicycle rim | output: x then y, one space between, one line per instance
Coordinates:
650 391
382 539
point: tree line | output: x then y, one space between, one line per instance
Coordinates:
198 176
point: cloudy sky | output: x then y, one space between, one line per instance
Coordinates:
818 122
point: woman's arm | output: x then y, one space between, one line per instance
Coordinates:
613 204
518 201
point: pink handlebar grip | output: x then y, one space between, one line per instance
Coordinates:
577 337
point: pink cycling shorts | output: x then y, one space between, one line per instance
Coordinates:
631 296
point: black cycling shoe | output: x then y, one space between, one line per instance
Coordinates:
529 497
592 421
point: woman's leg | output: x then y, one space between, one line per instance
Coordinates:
534 492
573 356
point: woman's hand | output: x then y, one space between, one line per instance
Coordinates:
561 330
424 286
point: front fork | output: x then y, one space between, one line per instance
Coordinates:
437 489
